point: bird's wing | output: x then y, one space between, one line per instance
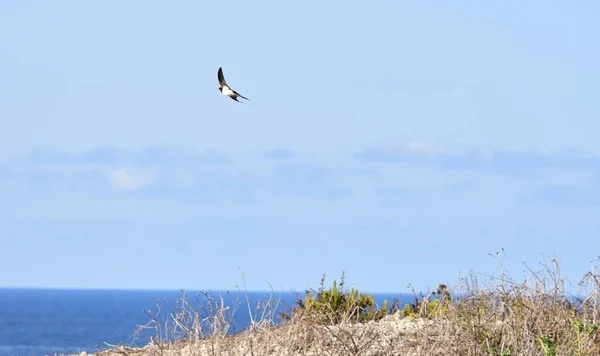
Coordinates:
240 95
221 77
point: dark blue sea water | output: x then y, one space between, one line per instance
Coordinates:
53 321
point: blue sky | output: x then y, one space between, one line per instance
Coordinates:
400 142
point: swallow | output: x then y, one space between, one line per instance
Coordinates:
226 89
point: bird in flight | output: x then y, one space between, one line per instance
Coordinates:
226 90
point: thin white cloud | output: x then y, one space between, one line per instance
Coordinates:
146 156
428 149
420 167
130 179
479 158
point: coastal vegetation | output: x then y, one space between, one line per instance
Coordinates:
492 315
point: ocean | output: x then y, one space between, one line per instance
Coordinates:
37 322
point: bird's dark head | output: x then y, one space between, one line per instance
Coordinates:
221 89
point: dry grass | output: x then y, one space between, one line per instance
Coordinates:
498 316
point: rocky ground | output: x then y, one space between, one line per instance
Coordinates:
392 335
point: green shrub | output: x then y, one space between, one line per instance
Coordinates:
336 305
430 308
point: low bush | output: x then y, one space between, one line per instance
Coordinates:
336 305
